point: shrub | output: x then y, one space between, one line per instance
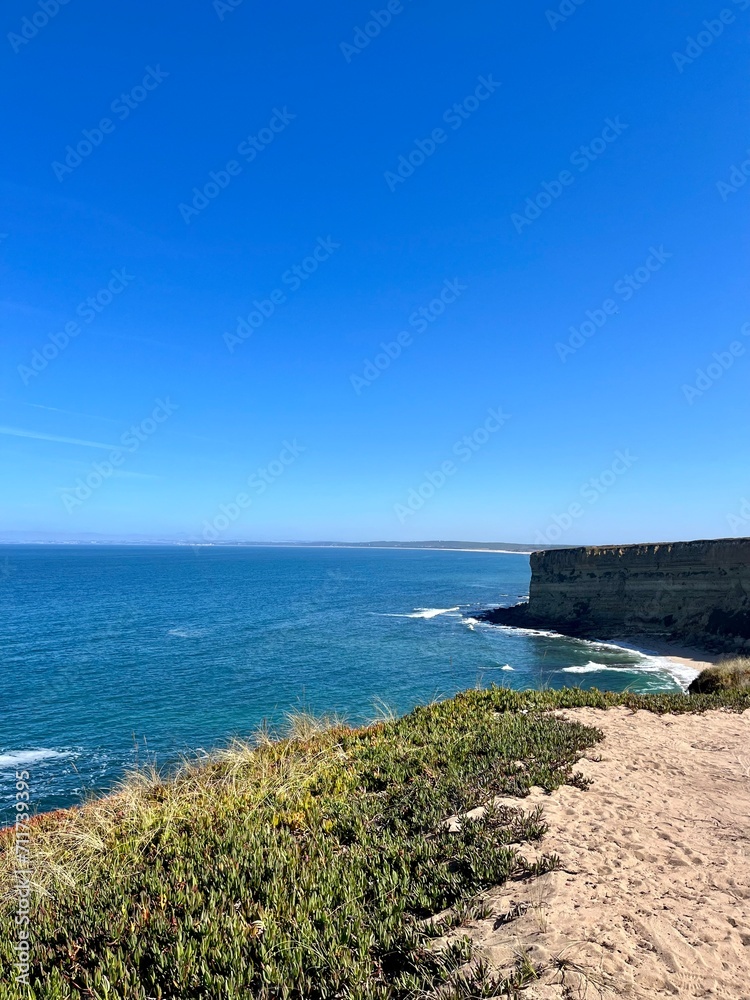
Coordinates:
732 674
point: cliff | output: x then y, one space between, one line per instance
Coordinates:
697 592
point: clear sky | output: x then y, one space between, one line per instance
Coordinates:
214 215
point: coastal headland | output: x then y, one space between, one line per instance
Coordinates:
695 593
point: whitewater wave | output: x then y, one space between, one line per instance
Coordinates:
636 661
644 664
23 758
647 662
683 673
188 633
618 647
529 631
421 613
594 668
431 612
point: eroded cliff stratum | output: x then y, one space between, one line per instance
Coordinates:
696 592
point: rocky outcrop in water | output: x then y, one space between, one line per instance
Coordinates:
694 592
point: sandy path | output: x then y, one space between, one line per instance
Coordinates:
654 896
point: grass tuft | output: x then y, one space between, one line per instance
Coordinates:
732 674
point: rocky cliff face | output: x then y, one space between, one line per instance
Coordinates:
695 591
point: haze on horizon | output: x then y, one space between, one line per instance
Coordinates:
387 271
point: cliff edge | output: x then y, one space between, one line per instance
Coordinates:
697 592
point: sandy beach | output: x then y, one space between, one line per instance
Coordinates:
652 898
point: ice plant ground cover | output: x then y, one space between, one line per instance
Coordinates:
306 866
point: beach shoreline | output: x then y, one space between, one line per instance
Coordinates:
687 660
687 656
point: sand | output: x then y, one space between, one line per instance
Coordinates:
653 896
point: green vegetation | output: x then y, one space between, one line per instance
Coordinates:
307 867
732 674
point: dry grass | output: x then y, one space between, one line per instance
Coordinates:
732 674
68 845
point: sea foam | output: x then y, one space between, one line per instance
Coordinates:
422 613
23 758
593 668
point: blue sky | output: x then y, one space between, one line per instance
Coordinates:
214 215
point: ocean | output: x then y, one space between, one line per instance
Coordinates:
113 657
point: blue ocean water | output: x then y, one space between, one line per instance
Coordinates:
117 655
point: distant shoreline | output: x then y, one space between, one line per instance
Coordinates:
404 548
501 548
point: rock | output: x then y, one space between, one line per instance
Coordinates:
695 592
